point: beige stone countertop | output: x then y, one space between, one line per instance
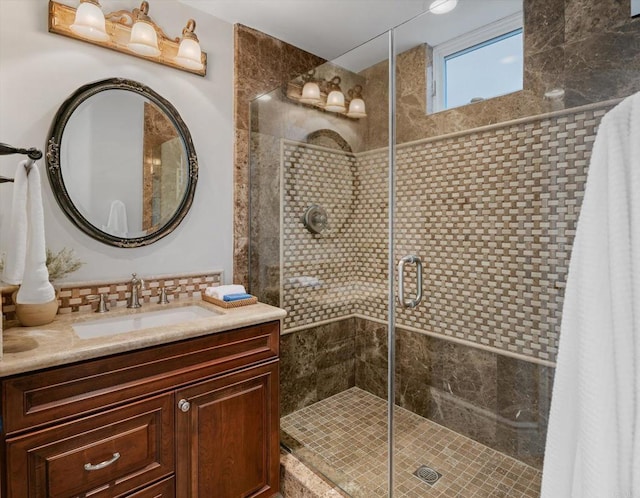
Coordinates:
32 348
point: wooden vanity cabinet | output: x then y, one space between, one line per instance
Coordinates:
196 418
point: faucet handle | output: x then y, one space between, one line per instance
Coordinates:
102 301
163 293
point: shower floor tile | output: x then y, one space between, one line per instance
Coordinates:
345 436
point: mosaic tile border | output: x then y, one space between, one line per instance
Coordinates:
72 296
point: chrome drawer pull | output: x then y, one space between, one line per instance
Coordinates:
102 465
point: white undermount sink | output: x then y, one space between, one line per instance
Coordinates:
139 321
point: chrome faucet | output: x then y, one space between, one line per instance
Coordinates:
137 285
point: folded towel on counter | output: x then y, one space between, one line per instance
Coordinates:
26 259
236 297
224 290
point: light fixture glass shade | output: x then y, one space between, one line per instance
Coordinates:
144 39
310 93
335 102
89 22
442 6
357 109
189 54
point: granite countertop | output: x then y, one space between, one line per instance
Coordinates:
32 348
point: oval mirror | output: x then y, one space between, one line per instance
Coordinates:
121 163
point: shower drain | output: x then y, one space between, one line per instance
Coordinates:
427 474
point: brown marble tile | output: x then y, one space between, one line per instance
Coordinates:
298 354
464 418
585 18
413 371
604 66
544 25
261 63
316 363
336 378
371 357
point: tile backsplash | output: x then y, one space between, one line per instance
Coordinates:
73 296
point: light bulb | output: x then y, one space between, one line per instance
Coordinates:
310 93
144 39
335 102
356 109
189 52
89 22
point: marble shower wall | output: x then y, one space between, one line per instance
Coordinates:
590 48
316 363
261 63
499 401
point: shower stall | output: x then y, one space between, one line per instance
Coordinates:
421 251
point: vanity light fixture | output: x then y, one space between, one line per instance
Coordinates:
327 95
89 21
133 33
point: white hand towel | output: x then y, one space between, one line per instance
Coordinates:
117 222
27 255
224 290
593 441
18 228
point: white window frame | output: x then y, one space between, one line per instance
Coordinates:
467 40
635 8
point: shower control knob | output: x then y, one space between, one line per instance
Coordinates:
184 405
315 219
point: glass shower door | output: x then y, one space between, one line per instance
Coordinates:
470 380
319 248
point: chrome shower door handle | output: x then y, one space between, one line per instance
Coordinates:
410 303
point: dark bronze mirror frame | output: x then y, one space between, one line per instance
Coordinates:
55 174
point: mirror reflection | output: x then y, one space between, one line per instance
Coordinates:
121 163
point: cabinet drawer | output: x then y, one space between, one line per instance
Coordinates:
57 394
163 489
104 455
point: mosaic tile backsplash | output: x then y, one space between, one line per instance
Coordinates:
73 297
492 213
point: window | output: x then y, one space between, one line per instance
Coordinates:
479 65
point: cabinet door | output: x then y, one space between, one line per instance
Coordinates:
104 455
227 436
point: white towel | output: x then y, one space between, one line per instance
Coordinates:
26 257
593 442
117 221
18 228
224 290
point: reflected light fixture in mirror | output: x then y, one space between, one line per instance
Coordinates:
442 6
335 99
131 32
89 21
356 105
310 93
326 95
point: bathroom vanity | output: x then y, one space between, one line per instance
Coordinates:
187 410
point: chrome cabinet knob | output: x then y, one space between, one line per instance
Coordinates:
184 405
